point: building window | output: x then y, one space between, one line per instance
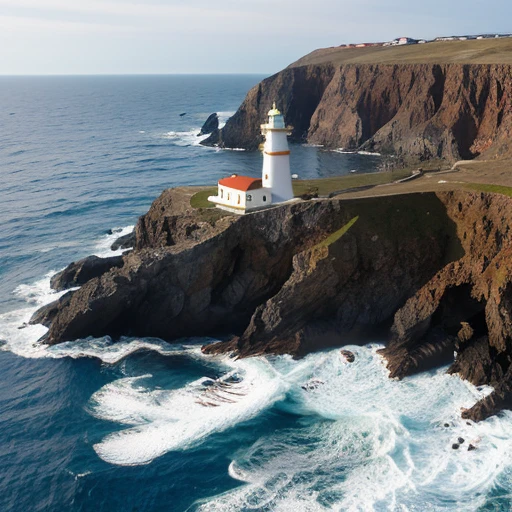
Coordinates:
249 197
238 198
221 193
266 176
229 196
264 199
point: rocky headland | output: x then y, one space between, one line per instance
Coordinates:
430 272
443 100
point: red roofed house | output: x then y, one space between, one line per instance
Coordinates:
240 194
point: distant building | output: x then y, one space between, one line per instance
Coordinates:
401 41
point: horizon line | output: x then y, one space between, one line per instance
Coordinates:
132 74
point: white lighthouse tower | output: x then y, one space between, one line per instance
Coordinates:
243 194
276 157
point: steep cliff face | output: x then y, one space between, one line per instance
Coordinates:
423 111
435 268
257 275
298 92
466 307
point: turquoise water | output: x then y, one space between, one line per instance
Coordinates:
129 426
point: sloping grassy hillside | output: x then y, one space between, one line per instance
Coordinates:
484 51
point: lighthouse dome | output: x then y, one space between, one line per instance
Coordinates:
274 111
275 118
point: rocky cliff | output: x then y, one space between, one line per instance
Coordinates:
419 111
255 275
466 307
433 270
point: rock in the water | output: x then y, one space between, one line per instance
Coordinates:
46 314
124 242
78 273
349 356
210 125
471 447
460 440
455 446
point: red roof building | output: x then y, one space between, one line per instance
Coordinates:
243 183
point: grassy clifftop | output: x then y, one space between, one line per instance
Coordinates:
484 51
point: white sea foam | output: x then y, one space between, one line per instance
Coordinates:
189 138
22 339
369 153
380 445
102 246
367 442
223 118
178 419
343 151
354 152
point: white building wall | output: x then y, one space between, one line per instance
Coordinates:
258 198
240 200
231 197
276 165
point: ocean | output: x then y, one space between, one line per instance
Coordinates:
104 425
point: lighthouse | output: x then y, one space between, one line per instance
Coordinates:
242 194
276 157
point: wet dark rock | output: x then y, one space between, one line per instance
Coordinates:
446 425
210 125
460 440
46 314
80 272
471 447
349 356
124 242
455 446
183 114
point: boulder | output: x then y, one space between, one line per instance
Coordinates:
46 314
78 273
124 242
210 125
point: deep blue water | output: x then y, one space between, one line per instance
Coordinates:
96 426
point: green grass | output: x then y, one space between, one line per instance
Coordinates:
485 51
496 189
334 237
320 186
326 186
200 199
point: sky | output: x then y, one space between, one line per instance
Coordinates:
219 36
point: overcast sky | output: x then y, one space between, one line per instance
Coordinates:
216 36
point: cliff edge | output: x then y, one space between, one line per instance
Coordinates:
431 269
449 100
